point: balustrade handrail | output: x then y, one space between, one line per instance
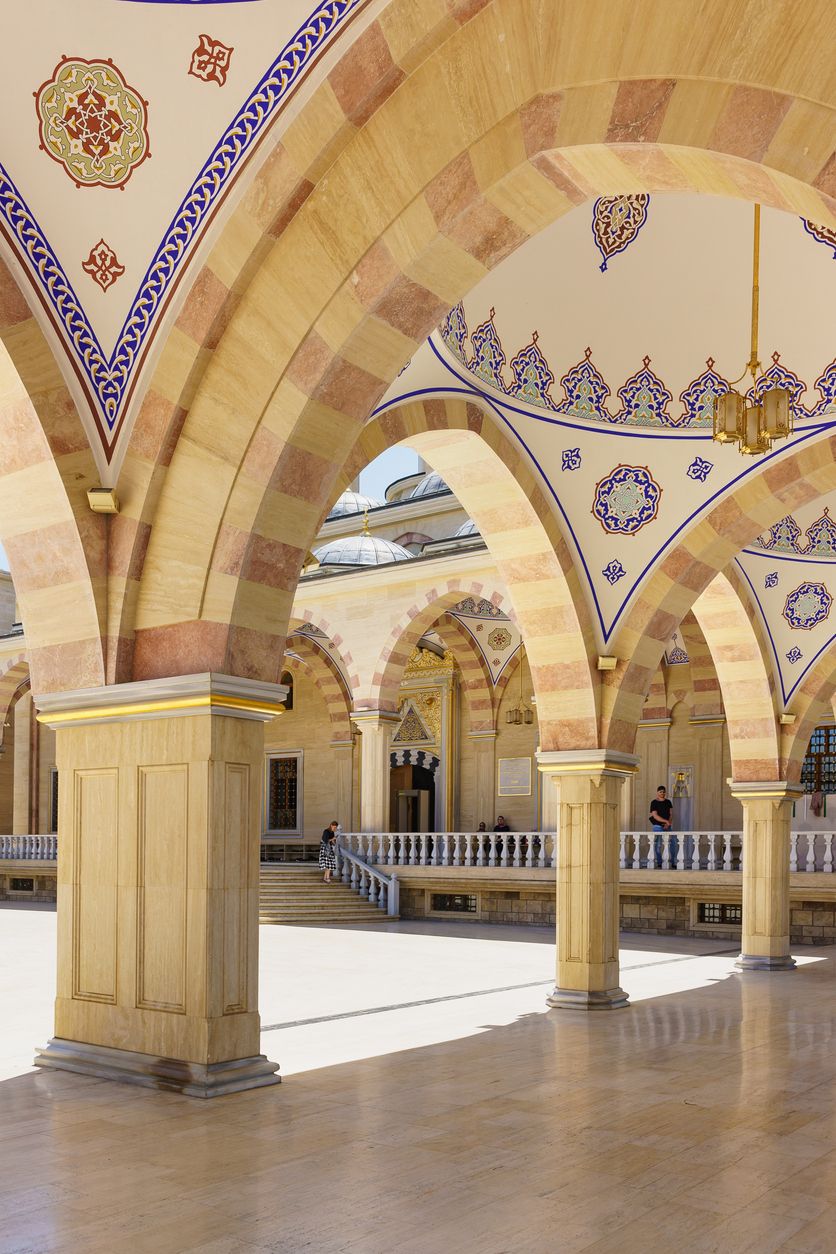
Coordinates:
381 890
689 850
462 849
36 848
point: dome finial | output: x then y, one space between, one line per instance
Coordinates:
366 531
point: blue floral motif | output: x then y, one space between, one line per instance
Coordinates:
699 397
614 571
454 332
783 537
821 536
488 355
626 500
699 469
585 391
571 459
616 221
826 387
771 580
794 655
532 377
677 655
645 399
776 376
807 605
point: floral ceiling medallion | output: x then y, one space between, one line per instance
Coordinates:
626 500
808 605
616 221
91 122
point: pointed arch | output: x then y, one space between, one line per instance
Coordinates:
746 681
475 678
14 680
424 211
800 475
305 653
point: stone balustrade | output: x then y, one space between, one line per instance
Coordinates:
379 889
464 849
29 848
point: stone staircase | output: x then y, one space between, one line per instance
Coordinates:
293 893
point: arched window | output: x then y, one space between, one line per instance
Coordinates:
287 678
818 774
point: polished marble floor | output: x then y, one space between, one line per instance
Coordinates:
432 1103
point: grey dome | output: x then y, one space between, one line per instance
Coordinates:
360 551
468 528
353 503
429 486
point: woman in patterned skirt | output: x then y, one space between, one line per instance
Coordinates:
328 850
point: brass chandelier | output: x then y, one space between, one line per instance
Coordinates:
753 424
521 712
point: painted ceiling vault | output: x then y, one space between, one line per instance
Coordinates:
129 125
599 347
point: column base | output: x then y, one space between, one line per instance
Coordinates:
762 962
584 999
191 1078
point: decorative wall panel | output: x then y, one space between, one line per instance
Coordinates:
162 887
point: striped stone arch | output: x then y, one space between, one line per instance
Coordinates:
441 182
812 704
746 680
801 475
53 542
474 676
347 662
14 680
326 678
657 703
707 699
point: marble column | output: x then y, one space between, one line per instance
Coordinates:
767 817
484 746
343 782
589 807
376 728
158 880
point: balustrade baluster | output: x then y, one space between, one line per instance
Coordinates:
711 860
468 849
636 861
492 854
443 851
810 864
679 861
666 851
480 848
372 890
517 843
794 839
529 853
727 851
457 849
827 864
622 852
695 852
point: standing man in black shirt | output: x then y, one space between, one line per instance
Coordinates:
660 821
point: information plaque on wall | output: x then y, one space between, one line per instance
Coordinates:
514 777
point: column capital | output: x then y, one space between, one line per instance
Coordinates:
764 790
374 718
176 697
570 762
